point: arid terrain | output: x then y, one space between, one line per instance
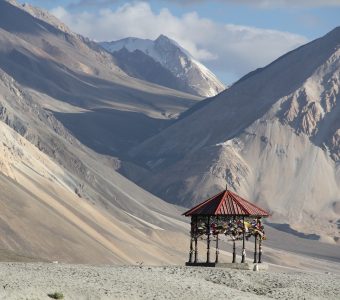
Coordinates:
77 282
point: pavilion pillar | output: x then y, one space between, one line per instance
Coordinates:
234 245
255 251
191 239
244 243
217 251
260 250
234 251
195 239
208 240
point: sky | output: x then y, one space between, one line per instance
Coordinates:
231 37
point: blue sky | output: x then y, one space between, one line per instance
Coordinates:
231 37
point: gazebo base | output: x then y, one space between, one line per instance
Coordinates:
239 266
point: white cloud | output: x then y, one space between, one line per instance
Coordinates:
284 3
255 3
225 48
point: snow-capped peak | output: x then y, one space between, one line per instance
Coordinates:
197 79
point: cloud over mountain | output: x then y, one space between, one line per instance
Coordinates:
237 49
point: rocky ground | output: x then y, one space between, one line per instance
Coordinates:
37 280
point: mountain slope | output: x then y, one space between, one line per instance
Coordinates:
192 76
61 201
273 137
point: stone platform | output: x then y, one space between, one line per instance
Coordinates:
238 266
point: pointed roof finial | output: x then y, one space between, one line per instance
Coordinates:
226 186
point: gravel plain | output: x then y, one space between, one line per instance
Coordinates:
37 280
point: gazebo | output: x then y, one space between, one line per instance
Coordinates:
229 214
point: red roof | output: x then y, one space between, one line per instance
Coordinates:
227 203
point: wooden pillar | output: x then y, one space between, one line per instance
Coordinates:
195 239
234 245
255 251
260 250
244 243
208 240
192 229
217 251
234 251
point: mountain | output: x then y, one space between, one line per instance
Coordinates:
61 200
191 76
272 137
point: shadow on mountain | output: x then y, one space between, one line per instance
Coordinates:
111 132
288 229
289 241
140 65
